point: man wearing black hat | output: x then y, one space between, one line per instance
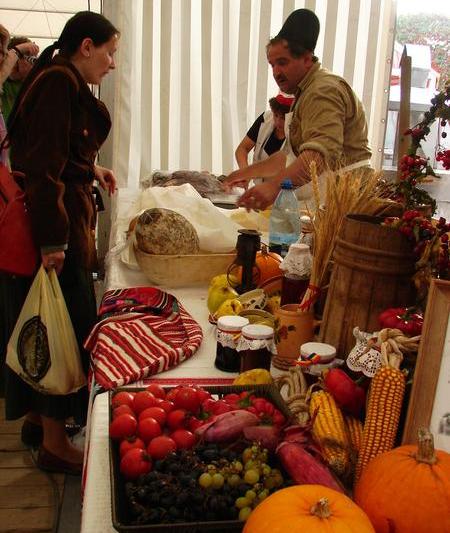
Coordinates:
328 123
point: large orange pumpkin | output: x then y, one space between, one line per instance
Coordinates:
407 490
308 508
267 265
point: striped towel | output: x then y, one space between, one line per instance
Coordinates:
143 331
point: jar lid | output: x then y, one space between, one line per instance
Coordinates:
326 352
232 322
257 331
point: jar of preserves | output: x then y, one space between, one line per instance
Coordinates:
228 332
255 347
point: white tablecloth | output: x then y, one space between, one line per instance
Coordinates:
96 516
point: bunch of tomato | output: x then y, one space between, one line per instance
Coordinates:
149 424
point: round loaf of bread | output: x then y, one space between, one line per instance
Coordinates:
164 232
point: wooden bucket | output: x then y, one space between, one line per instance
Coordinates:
372 270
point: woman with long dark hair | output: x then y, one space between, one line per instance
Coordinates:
56 128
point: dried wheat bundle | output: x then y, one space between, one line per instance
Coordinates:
356 191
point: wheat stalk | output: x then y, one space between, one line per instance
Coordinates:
355 191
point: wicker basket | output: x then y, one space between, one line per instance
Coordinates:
182 270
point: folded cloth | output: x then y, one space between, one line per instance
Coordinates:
143 331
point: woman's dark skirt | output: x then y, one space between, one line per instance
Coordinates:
78 290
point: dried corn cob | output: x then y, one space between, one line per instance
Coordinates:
329 431
355 432
383 412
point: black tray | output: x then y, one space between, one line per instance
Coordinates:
120 515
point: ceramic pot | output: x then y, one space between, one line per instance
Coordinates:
292 329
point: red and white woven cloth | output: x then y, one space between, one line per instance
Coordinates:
143 331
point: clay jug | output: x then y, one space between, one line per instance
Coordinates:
292 329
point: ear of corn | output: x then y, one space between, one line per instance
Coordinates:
329 431
383 413
354 431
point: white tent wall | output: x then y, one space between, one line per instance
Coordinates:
192 75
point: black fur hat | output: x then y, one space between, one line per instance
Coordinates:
301 26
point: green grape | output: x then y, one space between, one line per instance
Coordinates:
251 495
217 481
252 464
270 482
251 476
205 480
234 480
237 466
247 454
244 513
242 502
263 456
212 469
265 469
263 494
278 477
255 448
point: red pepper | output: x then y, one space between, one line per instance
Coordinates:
267 413
406 319
350 396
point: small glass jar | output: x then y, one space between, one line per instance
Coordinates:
255 347
228 332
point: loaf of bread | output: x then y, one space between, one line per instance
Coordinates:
164 232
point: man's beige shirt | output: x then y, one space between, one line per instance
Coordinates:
329 118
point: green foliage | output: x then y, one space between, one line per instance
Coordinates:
433 30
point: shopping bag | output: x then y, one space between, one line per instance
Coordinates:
43 349
18 253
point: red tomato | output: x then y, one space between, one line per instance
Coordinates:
203 395
172 393
177 419
123 426
135 463
123 409
183 438
194 423
154 412
167 405
160 447
129 444
142 400
187 398
121 398
157 390
148 429
220 407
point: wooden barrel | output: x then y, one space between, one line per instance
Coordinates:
372 270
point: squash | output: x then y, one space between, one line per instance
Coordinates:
407 490
308 508
267 265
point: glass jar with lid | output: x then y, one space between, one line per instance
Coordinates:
227 335
255 347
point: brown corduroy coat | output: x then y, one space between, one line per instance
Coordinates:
54 141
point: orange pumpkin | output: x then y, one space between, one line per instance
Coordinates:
308 508
407 490
267 265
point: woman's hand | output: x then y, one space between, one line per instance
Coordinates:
260 196
28 49
106 179
235 179
53 260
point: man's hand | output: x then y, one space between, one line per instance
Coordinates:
106 179
261 196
